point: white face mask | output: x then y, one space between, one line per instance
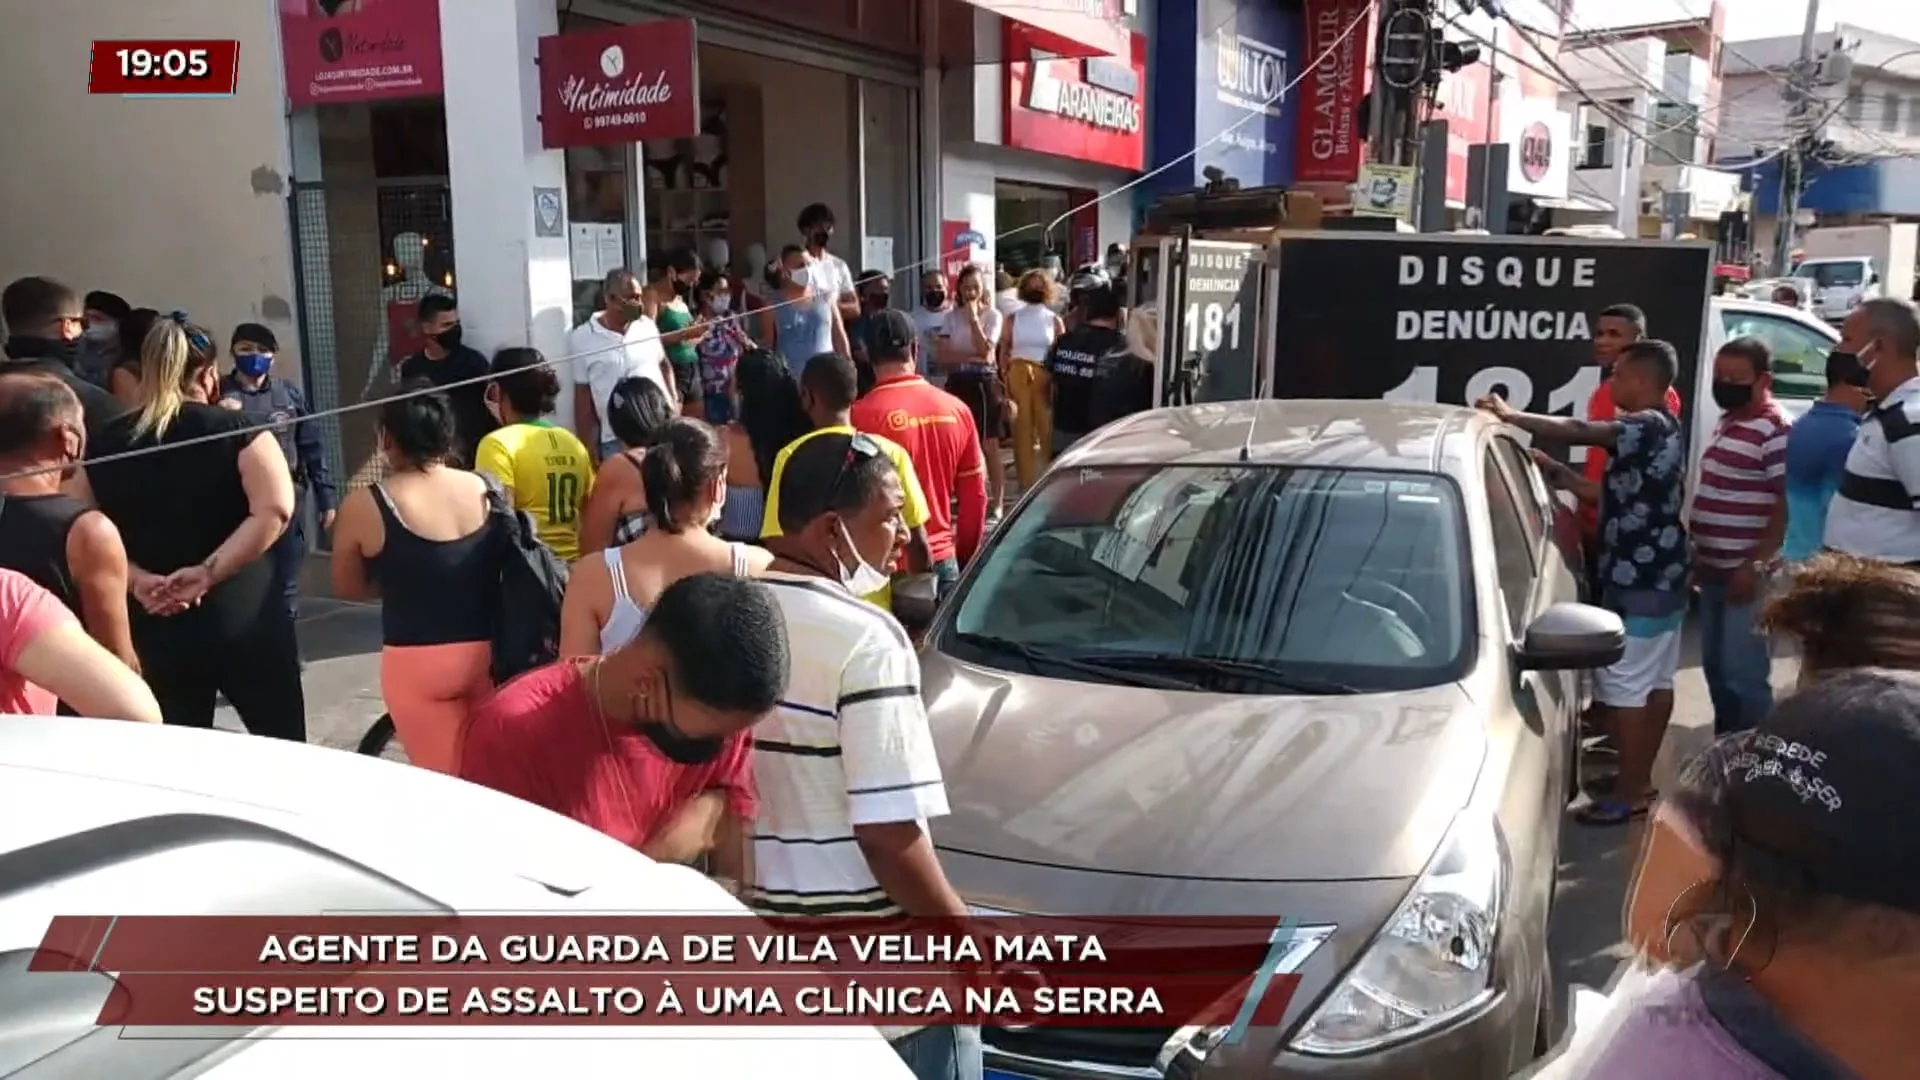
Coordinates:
102 332
493 409
719 504
860 579
720 305
802 276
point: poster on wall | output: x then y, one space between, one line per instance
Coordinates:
342 51
620 85
1449 320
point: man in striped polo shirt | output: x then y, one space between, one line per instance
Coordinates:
1739 519
845 766
1876 513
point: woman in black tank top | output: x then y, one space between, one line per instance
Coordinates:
199 499
437 577
616 509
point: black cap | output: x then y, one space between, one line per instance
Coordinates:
260 336
892 335
1821 798
109 304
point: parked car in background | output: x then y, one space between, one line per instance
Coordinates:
1319 659
109 818
1800 342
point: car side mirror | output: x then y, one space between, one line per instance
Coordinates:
1573 637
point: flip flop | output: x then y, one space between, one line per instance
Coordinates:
1611 812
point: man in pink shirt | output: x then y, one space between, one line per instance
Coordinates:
46 657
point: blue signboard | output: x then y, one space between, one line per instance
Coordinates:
1221 67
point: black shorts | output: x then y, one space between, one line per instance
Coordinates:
687 378
986 396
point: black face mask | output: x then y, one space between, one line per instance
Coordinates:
448 338
1846 367
34 348
680 748
819 238
934 299
682 288
1729 395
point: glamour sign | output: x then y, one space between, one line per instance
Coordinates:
625 84
1331 144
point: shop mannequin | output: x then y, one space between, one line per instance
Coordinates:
719 256
398 302
756 268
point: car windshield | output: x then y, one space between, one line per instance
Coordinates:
1242 578
1827 275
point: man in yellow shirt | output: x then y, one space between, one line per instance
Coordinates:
828 387
544 467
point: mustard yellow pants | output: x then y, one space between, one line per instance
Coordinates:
1032 420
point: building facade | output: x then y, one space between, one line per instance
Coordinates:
1867 122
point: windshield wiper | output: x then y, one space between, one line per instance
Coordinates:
1036 655
1275 675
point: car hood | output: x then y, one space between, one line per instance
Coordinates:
1197 785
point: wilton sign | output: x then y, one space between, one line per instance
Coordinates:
625 84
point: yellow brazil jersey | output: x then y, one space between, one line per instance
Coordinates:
547 469
913 511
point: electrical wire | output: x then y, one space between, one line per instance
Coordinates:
933 262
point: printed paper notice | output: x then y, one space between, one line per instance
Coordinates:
878 255
584 246
613 248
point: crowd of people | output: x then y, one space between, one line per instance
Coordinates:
789 487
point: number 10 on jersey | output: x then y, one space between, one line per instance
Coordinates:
1209 326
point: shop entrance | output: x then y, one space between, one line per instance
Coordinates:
1026 210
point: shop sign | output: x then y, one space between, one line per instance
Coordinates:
1243 114
620 85
1090 109
1330 142
1465 104
337 52
960 244
1539 132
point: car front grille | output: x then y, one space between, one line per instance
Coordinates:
1134 1048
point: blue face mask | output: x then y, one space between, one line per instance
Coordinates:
253 365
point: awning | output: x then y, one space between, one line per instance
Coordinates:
1066 28
1577 203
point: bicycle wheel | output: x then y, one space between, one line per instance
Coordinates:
374 742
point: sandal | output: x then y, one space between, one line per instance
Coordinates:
1610 811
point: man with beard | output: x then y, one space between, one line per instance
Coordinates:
65 546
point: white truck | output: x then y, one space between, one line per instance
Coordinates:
1852 263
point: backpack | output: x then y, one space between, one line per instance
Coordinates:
533 582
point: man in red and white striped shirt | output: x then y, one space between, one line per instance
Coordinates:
1739 518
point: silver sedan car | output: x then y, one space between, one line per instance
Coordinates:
1308 660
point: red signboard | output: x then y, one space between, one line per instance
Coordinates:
1066 27
1465 100
959 241
1092 109
1330 139
337 51
621 85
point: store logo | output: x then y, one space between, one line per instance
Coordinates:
580 95
1536 152
613 61
1249 74
1085 101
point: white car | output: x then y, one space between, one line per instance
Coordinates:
1800 343
113 818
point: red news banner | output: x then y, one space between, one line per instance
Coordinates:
257 971
165 68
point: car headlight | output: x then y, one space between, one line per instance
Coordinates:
1434 958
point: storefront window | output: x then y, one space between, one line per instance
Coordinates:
689 201
1025 210
599 210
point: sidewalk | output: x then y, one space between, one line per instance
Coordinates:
341 644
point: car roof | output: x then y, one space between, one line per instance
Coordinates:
1314 433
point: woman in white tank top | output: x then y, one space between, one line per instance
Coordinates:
1029 337
685 476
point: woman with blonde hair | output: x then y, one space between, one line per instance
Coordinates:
199 497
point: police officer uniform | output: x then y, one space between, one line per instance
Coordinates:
278 402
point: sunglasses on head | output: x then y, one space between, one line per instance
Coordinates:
861 447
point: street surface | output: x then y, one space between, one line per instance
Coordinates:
341 643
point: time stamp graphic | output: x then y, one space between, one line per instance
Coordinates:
162 69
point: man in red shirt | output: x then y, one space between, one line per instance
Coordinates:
1613 330
650 743
937 431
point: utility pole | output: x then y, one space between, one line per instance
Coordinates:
1802 137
